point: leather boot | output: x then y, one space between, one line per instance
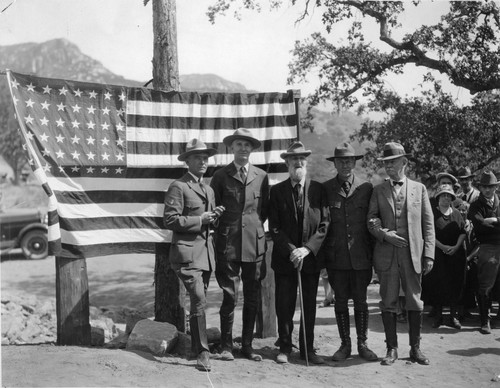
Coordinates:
226 337
199 342
454 322
438 316
361 319
415 325
391 337
249 315
345 336
484 304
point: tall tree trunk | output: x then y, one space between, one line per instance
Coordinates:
169 290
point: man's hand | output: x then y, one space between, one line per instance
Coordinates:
207 218
392 238
297 256
490 221
428 264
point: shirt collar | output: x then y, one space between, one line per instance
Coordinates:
238 166
302 182
195 177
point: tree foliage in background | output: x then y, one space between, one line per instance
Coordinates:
11 146
464 46
440 135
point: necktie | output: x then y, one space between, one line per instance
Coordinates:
346 187
202 186
297 194
243 174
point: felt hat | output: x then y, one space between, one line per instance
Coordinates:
392 150
448 189
464 173
446 174
344 150
195 146
242 133
488 179
296 149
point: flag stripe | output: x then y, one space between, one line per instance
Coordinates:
101 223
99 250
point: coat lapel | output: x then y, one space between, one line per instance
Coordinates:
193 185
387 191
288 195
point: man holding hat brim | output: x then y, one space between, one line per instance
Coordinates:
347 250
243 190
298 221
485 216
400 218
190 213
469 192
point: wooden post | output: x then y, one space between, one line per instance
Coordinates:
266 316
169 290
72 302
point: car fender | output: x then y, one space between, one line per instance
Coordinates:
27 228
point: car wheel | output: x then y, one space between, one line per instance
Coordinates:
35 245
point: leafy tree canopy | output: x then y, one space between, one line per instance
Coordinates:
464 45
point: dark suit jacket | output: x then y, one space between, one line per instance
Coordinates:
420 224
192 242
240 233
285 230
348 244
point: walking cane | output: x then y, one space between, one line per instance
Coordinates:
302 315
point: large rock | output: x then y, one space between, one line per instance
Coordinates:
153 337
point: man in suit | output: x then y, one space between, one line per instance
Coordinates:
189 213
469 193
400 217
298 221
485 216
243 190
348 251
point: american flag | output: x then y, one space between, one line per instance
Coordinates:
105 154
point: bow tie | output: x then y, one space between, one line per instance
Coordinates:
397 183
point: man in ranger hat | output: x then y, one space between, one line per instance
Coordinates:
298 221
243 190
347 250
190 213
469 193
485 216
401 219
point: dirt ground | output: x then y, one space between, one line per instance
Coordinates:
463 358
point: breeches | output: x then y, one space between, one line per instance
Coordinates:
488 267
400 274
196 284
349 284
227 274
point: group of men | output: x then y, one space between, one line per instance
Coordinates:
344 224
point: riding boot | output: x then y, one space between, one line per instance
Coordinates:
249 315
391 337
226 335
199 341
484 304
361 319
415 325
343 326
438 316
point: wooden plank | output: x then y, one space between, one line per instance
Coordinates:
72 302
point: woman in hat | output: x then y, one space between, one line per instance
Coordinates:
444 285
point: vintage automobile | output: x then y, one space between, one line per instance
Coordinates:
25 229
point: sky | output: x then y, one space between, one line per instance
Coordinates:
254 51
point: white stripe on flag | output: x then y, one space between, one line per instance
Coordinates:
105 184
148 108
110 236
167 135
89 211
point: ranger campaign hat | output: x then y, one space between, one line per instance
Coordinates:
195 146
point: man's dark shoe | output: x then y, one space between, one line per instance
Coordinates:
203 361
343 353
416 355
366 353
249 353
485 328
390 357
313 358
